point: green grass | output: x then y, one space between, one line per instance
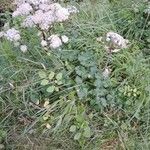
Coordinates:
123 124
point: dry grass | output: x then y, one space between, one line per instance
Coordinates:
6 4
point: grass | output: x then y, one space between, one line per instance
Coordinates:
122 125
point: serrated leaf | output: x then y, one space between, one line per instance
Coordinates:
51 75
104 103
59 76
78 80
82 92
81 71
50 89
87 132
73 128
77 136
42 74
44 82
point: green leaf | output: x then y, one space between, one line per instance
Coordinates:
59 82
59 76
109 97
81 71
42 74
50 89
58 124
78 80
104 102
51 75
87 132
87 59
44 82
124 126
77 136
82 92
73 128
56 89
103 92
80 118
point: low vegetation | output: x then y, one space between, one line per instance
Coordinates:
81 82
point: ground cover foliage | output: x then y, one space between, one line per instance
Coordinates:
63 98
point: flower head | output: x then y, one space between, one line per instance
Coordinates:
43 43
65 39
62 14
16 44
23 9
55 41
23 48
106 72
44 7
72 9
42 13
12 34
28 22
116 39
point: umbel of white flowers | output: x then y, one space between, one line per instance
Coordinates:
115 43
117 40
55 41
42 13
12 35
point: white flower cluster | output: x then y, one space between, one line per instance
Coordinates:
115 43
42 13
106 73
32 2
12 35
23 48
55 41
72 9
23 9
117 40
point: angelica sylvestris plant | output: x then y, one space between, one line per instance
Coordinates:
41 14
113 43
